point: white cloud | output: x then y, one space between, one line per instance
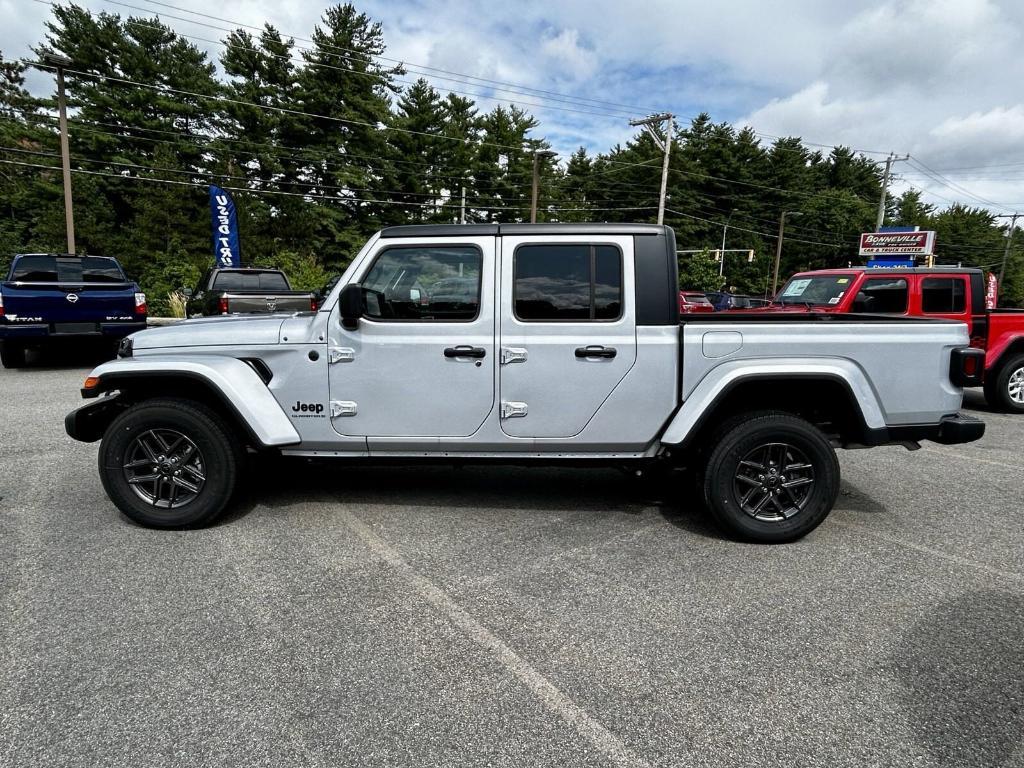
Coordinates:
941 79
564 52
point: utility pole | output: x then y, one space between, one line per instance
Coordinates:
1009 240
885 187
462 208
537 155
778 248
721 263
665 146
59 63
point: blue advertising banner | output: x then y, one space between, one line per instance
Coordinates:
226 250
890 263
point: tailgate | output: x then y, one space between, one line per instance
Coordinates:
65 303
268 302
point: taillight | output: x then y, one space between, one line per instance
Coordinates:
312 304
223 305
1 305
140 304
967 367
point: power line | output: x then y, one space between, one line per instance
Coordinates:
374 75
457 76
269 107
952 185
757 232
329 198
554 94
431 71
478 187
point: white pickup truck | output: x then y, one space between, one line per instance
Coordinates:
513 342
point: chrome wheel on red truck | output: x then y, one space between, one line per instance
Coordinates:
1005 390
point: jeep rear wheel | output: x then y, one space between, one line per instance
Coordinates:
771 477
169 463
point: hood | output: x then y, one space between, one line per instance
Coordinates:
785 309
213 331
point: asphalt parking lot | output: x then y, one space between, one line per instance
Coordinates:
506 616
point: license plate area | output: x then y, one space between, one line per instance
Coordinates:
78 328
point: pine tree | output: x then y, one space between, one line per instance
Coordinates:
349 94
419 143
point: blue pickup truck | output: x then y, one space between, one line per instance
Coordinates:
49 297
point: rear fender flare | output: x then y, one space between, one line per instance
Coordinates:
720 380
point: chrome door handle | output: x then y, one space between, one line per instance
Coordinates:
595 351
465 351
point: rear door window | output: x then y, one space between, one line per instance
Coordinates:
885 295
567 282
943 295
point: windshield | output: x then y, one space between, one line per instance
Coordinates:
821 290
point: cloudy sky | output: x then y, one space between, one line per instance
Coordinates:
942 80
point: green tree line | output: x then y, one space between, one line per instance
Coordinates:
322 144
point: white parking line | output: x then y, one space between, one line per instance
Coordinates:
952 455
1015 576
550 696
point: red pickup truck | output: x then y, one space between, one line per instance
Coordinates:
941 292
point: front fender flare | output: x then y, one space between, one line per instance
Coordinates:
237 386
721 379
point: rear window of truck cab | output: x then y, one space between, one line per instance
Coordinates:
67 269
816 290
250 281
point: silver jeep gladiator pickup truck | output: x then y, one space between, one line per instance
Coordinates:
515 342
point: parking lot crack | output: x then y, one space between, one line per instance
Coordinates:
551 697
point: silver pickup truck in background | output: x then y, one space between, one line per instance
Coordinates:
516 342
244 290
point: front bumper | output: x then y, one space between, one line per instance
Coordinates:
31 331
950 430
88 423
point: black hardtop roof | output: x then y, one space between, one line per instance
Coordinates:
942 270
478 230
250 268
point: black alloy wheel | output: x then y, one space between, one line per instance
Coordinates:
165 468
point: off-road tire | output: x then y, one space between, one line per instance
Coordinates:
219 454
737 449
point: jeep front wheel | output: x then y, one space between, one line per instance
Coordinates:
771 477
169 463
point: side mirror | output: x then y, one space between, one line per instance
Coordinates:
351 306
186 292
